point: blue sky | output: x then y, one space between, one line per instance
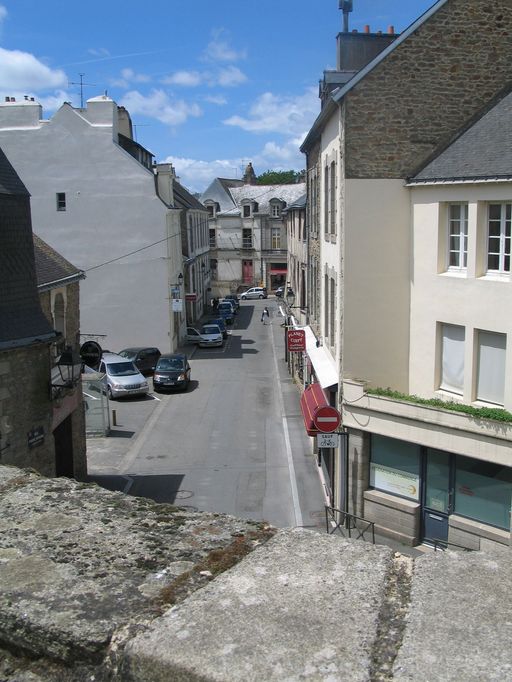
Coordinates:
209 84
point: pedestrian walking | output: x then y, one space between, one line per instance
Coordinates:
265 315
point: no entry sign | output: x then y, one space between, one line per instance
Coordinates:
327 419
296 339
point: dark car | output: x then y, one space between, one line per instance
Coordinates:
225 310
234 298
172 372
144 358
220 322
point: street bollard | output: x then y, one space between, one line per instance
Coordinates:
114 418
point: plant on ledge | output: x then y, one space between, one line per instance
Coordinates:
495 413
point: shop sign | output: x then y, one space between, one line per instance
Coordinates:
296 340
394 481
191 297
35 437
177 305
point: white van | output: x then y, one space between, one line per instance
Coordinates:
121 378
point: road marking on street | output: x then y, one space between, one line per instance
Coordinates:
291 468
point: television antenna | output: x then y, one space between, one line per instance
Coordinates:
81 84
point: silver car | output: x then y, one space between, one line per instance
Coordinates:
209 336
121 377
254 292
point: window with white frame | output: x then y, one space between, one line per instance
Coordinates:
275 210
458 236
453 339
491 367
247 211
498 238
276 237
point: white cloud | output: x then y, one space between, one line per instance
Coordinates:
230 77
54 102
196 175
227 77
216 99
219 50
277 113
99 51
189 79
129 76
22 71
159 106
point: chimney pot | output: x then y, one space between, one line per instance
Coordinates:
367 28
354 30
391 30
7 99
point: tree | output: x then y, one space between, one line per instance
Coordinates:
271 177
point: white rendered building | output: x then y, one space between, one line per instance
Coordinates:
95 200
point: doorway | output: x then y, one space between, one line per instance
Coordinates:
63 437
438 488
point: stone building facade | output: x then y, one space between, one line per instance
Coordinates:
377 129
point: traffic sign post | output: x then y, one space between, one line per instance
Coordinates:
327 419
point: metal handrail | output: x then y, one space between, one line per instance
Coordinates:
341 521
443 544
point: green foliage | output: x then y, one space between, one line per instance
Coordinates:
270 177
494 413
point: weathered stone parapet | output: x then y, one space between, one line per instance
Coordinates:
96 585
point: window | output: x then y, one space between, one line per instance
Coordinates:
498 237
326 200
483 491
458 236
246 238
61 201
276 237
213 241
247 211
275 210
395 467
491 367
452 358
333 198
211 211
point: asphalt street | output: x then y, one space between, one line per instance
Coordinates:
233 443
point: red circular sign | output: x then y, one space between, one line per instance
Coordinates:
327 419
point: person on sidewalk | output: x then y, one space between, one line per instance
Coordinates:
265 315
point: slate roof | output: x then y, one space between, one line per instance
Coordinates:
299 203
219 192
52 269
263 194
482 151
184 199
22 321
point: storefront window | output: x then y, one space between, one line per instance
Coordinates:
483 491
395 467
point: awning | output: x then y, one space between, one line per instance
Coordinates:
312 398
323 364
278 271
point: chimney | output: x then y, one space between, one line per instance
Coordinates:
249 176
391 30
367 28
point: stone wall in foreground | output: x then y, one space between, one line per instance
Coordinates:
98 586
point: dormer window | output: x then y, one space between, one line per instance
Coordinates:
276 208
213 208
247 211
249 208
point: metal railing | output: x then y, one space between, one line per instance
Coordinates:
349 525
441 545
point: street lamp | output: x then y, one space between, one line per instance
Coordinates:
69 365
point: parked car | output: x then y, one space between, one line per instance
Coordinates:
209 336
231 303
144 359
220 322
234 298
172 372
280 291
254 292
225 310
121 378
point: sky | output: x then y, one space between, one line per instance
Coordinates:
210 85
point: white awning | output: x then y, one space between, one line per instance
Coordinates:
323 364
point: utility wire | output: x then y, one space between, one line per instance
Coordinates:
143 248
